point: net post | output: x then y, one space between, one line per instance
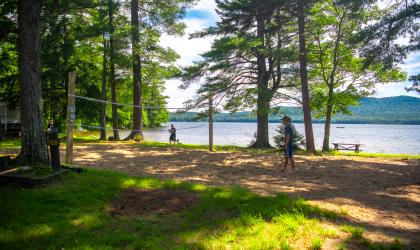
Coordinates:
71 109
210 123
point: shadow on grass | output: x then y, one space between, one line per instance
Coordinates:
370 184
72 214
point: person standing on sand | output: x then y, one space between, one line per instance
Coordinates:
288 143
172 137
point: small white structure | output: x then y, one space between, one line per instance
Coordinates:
9 117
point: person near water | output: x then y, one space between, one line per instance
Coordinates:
50 125
288 142
172 137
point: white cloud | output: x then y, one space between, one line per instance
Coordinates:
208 6
189 49
411 66
393 89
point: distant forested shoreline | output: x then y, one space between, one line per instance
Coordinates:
389 110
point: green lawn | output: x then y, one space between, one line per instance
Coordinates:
10 143
72 214
378 155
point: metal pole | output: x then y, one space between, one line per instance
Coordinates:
210 123
71 109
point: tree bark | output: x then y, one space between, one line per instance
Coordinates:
327 127
210 123
33 145
112 75
307 117
137 80
103 106
263 102
263 107
328 115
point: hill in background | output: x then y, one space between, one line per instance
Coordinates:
388 110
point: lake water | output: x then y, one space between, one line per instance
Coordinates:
374 137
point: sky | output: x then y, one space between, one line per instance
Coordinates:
203 15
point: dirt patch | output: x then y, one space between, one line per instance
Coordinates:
381 195
133 202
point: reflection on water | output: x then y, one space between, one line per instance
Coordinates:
374 137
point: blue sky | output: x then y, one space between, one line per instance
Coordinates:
204 15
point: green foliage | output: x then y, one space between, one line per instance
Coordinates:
9 86
416 84
298 138
339 77
338 72
72 39
253 56
380 40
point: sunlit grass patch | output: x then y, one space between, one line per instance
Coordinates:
356 232
10 143
317 244
378 155
357 237
73 214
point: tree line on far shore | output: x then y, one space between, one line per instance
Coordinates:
325 55
390 110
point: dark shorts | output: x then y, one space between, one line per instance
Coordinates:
172 137
288 152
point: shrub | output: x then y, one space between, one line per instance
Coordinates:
298 138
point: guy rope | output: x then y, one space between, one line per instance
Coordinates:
71 115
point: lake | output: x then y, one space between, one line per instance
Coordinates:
376 138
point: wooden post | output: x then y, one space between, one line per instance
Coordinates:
71 116
5 114
210 123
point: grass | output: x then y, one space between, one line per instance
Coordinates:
378 155
356 232
356 236
10 143
72 214
316 244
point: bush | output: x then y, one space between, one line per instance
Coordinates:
298 138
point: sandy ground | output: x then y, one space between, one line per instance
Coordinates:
381 195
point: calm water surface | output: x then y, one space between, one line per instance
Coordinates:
374 137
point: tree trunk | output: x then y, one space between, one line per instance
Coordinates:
137 80
307 117
210 123
112 75
263 107
33 146
103 106
263 102
327 128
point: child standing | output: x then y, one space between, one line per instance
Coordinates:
288 143
172 137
